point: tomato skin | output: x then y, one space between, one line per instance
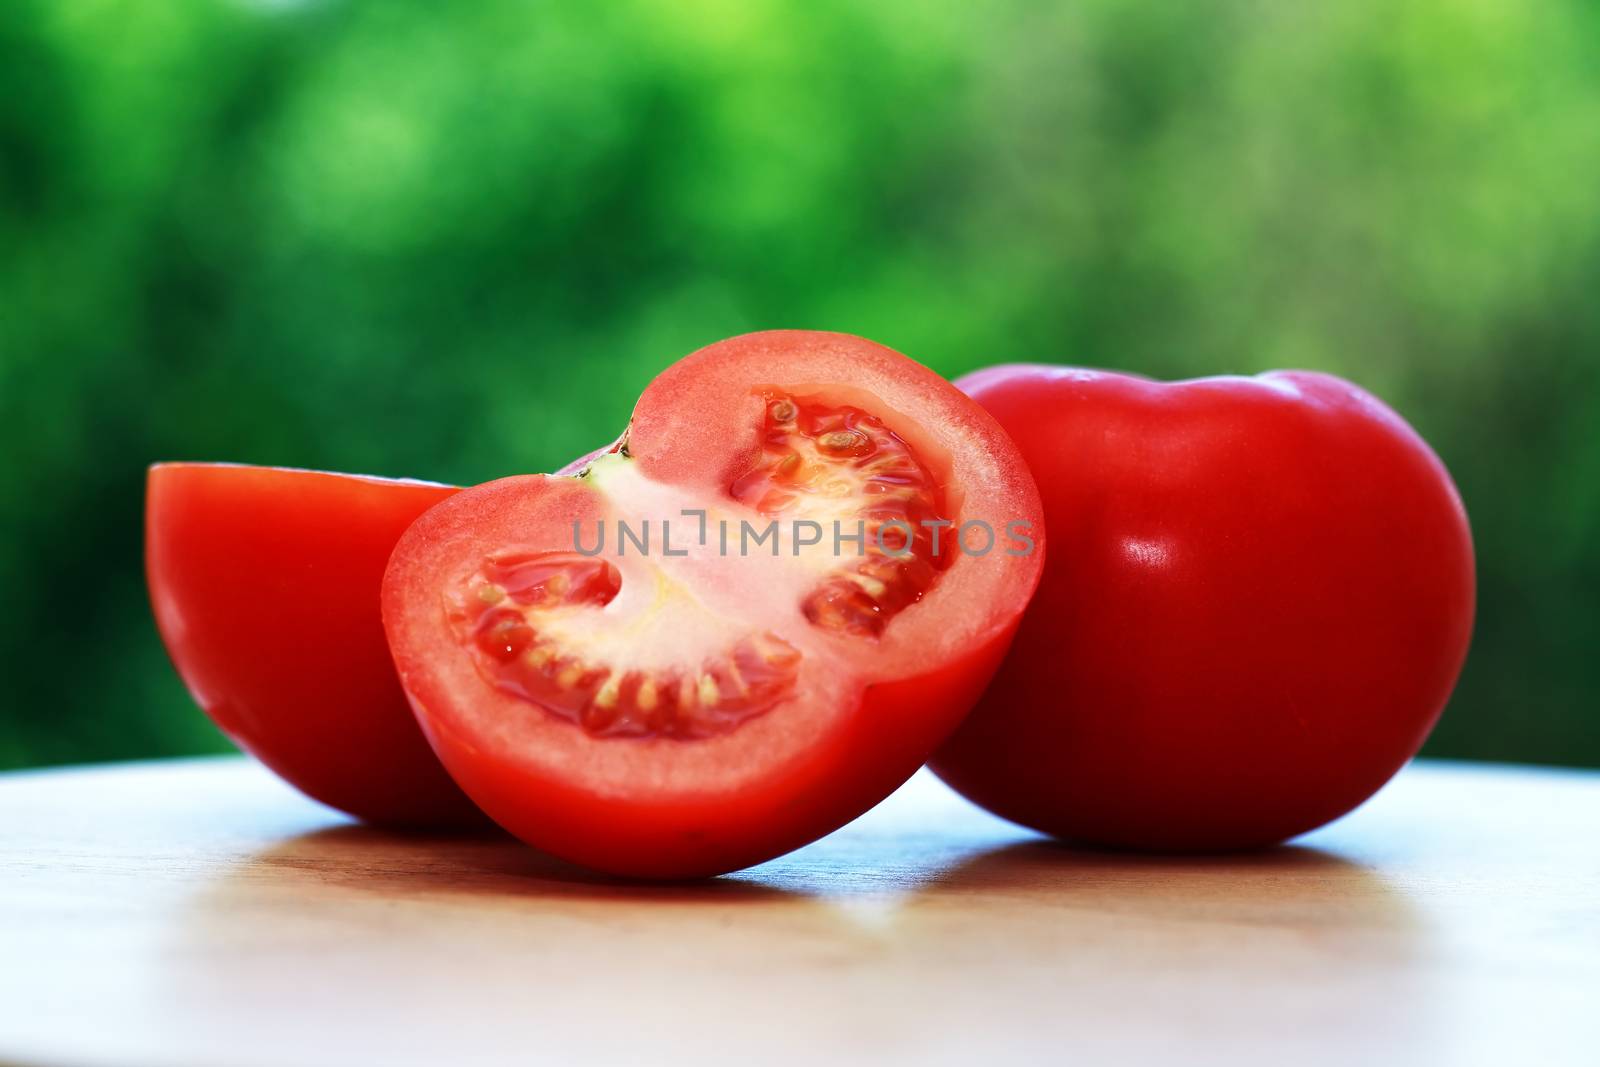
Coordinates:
1259 596
697 837
265 584
864 713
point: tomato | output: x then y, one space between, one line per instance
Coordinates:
265 587
1259 596
676 708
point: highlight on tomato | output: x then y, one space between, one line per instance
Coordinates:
265 585
1258 599
740 627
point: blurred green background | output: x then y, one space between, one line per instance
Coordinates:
454 241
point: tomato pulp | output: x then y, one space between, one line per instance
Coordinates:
265 586
738 628
1258 599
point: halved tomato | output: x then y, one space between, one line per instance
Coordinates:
265 586
739 628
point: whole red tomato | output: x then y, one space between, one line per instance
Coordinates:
1258 598
698 701
265 586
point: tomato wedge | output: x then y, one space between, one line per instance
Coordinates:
265 586
739 628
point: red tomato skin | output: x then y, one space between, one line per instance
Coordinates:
1258 598
700 838
265 585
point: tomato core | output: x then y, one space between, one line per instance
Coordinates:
511 613
528 616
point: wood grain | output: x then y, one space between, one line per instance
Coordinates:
200 913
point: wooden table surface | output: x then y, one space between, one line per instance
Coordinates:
199 912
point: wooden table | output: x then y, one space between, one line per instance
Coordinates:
199 912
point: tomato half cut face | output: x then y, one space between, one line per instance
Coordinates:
744 624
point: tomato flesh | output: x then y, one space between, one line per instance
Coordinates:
842 464
818 462
611 670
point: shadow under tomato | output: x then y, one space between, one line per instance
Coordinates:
1287 884
917 845
412 864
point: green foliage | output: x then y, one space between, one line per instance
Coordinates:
453 241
